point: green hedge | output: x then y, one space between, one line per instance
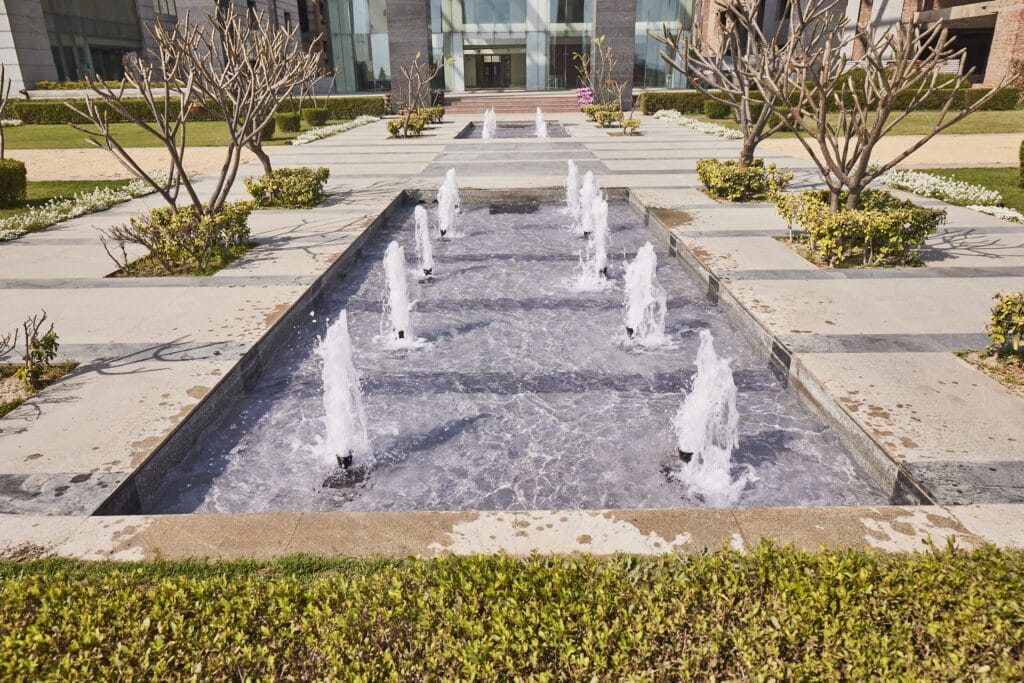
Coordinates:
775 614
692 101
343 108
54 111
13 182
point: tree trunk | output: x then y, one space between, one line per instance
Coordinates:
257 149
833 200
853 200
747 153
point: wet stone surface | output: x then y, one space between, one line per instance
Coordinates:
523 392
511 129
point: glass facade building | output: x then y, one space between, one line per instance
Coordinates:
497 44
359 40
91 37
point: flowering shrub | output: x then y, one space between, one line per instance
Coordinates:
675 117
57 210
584 96
948 190
1000 212
328 131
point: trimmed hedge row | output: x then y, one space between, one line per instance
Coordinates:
775 614
692 101
54 111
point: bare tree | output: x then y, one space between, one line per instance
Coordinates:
839 120
240 70
167 110
595 68
413 91
734 71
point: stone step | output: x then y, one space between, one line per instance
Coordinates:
511 104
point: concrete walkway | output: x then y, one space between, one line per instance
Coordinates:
877 345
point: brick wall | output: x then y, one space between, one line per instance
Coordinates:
1007 42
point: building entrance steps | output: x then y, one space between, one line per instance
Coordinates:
511 102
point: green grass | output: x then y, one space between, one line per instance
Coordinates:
38 192
63 136
1003 180
920 122
774 614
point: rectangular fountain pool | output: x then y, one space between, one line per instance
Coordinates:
511 129
524 393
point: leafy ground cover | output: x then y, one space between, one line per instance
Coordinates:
13 391
1001 179
39 192
920 122
63 136
1007 370
774 614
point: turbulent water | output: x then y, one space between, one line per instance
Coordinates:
525 394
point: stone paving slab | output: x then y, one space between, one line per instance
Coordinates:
887 342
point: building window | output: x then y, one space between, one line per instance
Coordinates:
288 20
303 15
166 7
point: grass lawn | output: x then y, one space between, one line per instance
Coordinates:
1002 180
63 136
38 192
920 122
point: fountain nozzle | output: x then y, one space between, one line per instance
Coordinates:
401 334
428 271
604 272
685 456
345 460
629 331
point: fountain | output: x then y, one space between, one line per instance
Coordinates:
707 430
447 201
542 127
453 186
424 248
522 400
572 192
588 192
398 306
490 124
645 299
593 271
347 439
599 240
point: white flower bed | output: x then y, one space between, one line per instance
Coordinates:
327 131
675 117
1000 212
57 210
10 123
948 190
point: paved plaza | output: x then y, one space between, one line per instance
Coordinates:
871 348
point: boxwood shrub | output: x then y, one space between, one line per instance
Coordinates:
729 180
13 182
315 116
291 188
713 109
773 614
884 231
288 122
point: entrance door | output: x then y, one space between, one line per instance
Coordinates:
493 71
